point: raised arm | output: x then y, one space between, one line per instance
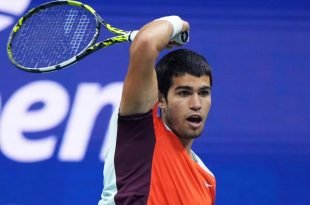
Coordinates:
140 87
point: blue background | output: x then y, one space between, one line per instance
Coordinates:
257 137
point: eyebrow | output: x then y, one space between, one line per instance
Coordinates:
191 88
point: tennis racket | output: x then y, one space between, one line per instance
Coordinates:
59 33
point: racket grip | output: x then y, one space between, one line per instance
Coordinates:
181 38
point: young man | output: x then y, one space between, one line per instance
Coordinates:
150 160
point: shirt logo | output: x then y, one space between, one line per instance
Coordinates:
208 185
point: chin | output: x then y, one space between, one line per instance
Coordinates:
188 133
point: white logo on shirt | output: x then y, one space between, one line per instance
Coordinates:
208 185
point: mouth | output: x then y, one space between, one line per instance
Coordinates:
195 121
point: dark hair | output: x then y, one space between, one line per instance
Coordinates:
178 63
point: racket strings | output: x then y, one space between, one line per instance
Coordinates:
53 35
79 34
69 20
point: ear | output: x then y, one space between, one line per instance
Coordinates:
161 100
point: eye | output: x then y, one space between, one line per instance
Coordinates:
184 93
204 93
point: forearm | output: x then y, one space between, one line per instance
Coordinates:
154 36
158 33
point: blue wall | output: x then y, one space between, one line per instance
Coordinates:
257 138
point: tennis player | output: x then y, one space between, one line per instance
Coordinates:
162 111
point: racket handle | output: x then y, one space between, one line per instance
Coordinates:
181 38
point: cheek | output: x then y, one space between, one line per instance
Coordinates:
170 113
208 104
173 114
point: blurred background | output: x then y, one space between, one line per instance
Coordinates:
257 137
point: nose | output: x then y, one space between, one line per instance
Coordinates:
195 102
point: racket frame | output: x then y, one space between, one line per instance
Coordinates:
90 48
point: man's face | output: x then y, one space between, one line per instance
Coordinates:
187 105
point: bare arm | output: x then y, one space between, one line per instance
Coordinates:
140 90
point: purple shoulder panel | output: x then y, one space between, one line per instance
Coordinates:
133 158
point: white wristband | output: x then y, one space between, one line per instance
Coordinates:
176 23
132 35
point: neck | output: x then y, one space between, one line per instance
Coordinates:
187 143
